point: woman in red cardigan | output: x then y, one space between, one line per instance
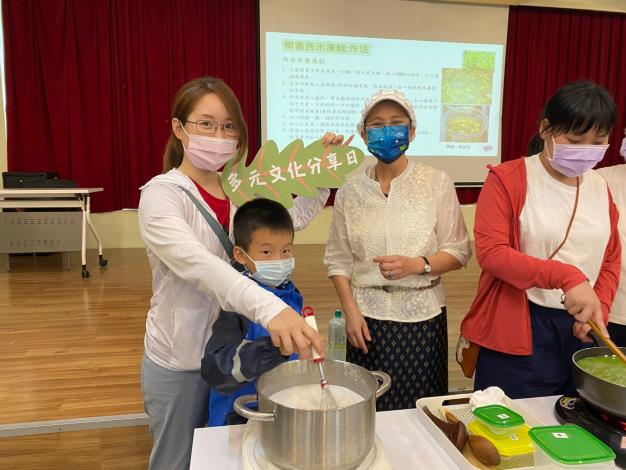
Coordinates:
547 241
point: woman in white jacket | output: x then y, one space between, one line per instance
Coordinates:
191 275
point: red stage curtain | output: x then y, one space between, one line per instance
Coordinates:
90 82
547 48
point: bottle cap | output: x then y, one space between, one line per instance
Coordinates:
338 313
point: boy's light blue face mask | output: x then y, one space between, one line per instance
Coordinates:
273 273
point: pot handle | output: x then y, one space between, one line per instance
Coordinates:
385 382
242 410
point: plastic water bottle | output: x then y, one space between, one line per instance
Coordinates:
337 337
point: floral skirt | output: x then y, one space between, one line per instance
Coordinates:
415 355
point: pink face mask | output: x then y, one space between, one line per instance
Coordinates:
209 153
573 160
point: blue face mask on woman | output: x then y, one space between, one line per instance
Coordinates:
388 143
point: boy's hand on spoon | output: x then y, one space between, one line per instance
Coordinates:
291 334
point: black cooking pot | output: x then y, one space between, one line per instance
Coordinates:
607 396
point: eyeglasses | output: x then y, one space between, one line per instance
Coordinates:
210 128
380 124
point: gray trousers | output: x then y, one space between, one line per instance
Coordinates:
176 403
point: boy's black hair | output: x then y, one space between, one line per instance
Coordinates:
580 106
257 214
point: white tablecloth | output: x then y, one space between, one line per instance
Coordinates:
406 442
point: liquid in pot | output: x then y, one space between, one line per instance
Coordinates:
608 368
310 397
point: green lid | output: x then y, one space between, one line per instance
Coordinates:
338 313
571 445
498 416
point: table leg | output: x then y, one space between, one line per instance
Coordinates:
103 262
83 248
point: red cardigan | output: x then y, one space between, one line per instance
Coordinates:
498 318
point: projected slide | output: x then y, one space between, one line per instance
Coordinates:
318 83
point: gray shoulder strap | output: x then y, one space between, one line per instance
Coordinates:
214 224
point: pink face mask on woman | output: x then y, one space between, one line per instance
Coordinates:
573 160
209 153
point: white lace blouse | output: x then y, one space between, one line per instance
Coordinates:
420 217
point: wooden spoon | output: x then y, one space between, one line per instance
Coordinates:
458 435
458 431
441 424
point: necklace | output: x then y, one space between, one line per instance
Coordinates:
375 175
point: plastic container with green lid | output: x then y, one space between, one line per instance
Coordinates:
570 446
516 450
499 419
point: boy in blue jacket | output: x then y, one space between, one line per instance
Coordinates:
240 350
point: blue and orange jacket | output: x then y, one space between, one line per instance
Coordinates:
238 351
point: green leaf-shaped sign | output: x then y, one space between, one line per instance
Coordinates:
295 170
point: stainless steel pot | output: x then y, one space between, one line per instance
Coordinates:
605 395
337 439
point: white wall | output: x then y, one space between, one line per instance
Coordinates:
120 229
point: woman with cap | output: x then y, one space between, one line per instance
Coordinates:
396 229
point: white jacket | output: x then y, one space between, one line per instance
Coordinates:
191 276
